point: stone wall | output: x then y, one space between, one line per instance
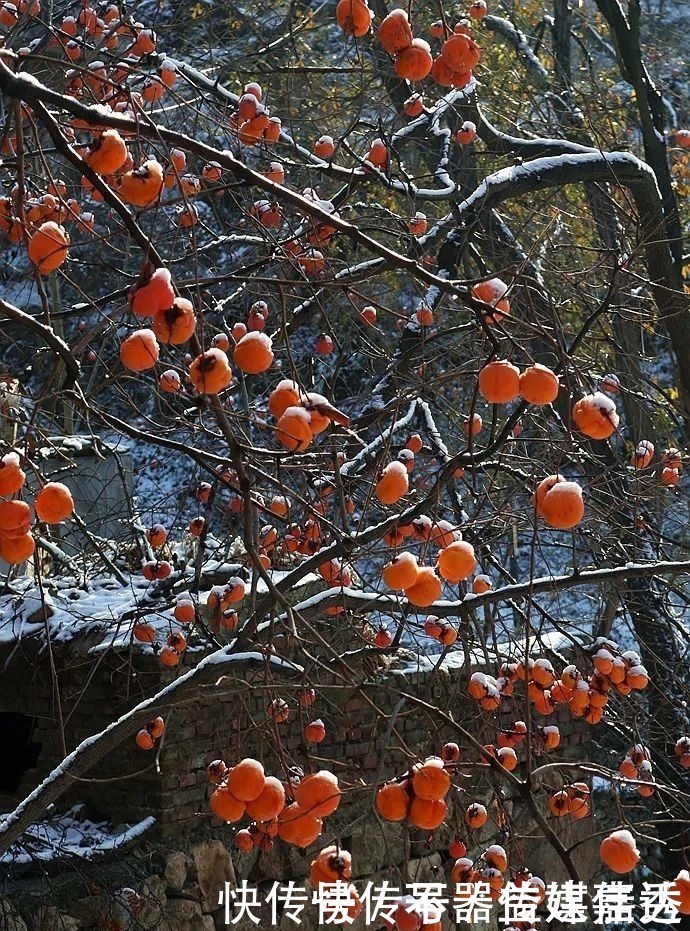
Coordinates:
176 871
372 732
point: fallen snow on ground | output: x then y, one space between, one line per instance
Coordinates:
72 835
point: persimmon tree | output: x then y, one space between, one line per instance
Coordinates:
397 319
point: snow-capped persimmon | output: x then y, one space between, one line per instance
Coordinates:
473 425
499 381
156 570
324 147
286 393
401 572
467 133
54 503
447 634
142 186
278 711
559 502
493 291
168 72
619 851
276 172
169 657
49 247
476 816
507 757
456 561
495 856
672 459
170 382
433 626
108 153
539 385
318 794
414 62
293 429
176 324
151 296
595 415
378 153
481 583
323 345
430 779
157 535
315 731
12 476
643 454
395 33
210 372
184 611
354 17
392 484
139 351
253 354
478 9
670 476
280 505
413 106
418 224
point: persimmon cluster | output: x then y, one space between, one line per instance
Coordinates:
491 868
300 415
571 801
171 652
420 796
148 736
458 56
292 810
585 696
637 764
455 561
52 505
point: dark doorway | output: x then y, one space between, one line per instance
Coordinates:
19 752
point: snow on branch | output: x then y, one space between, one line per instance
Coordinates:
376 601
558 171
373 447
518 40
